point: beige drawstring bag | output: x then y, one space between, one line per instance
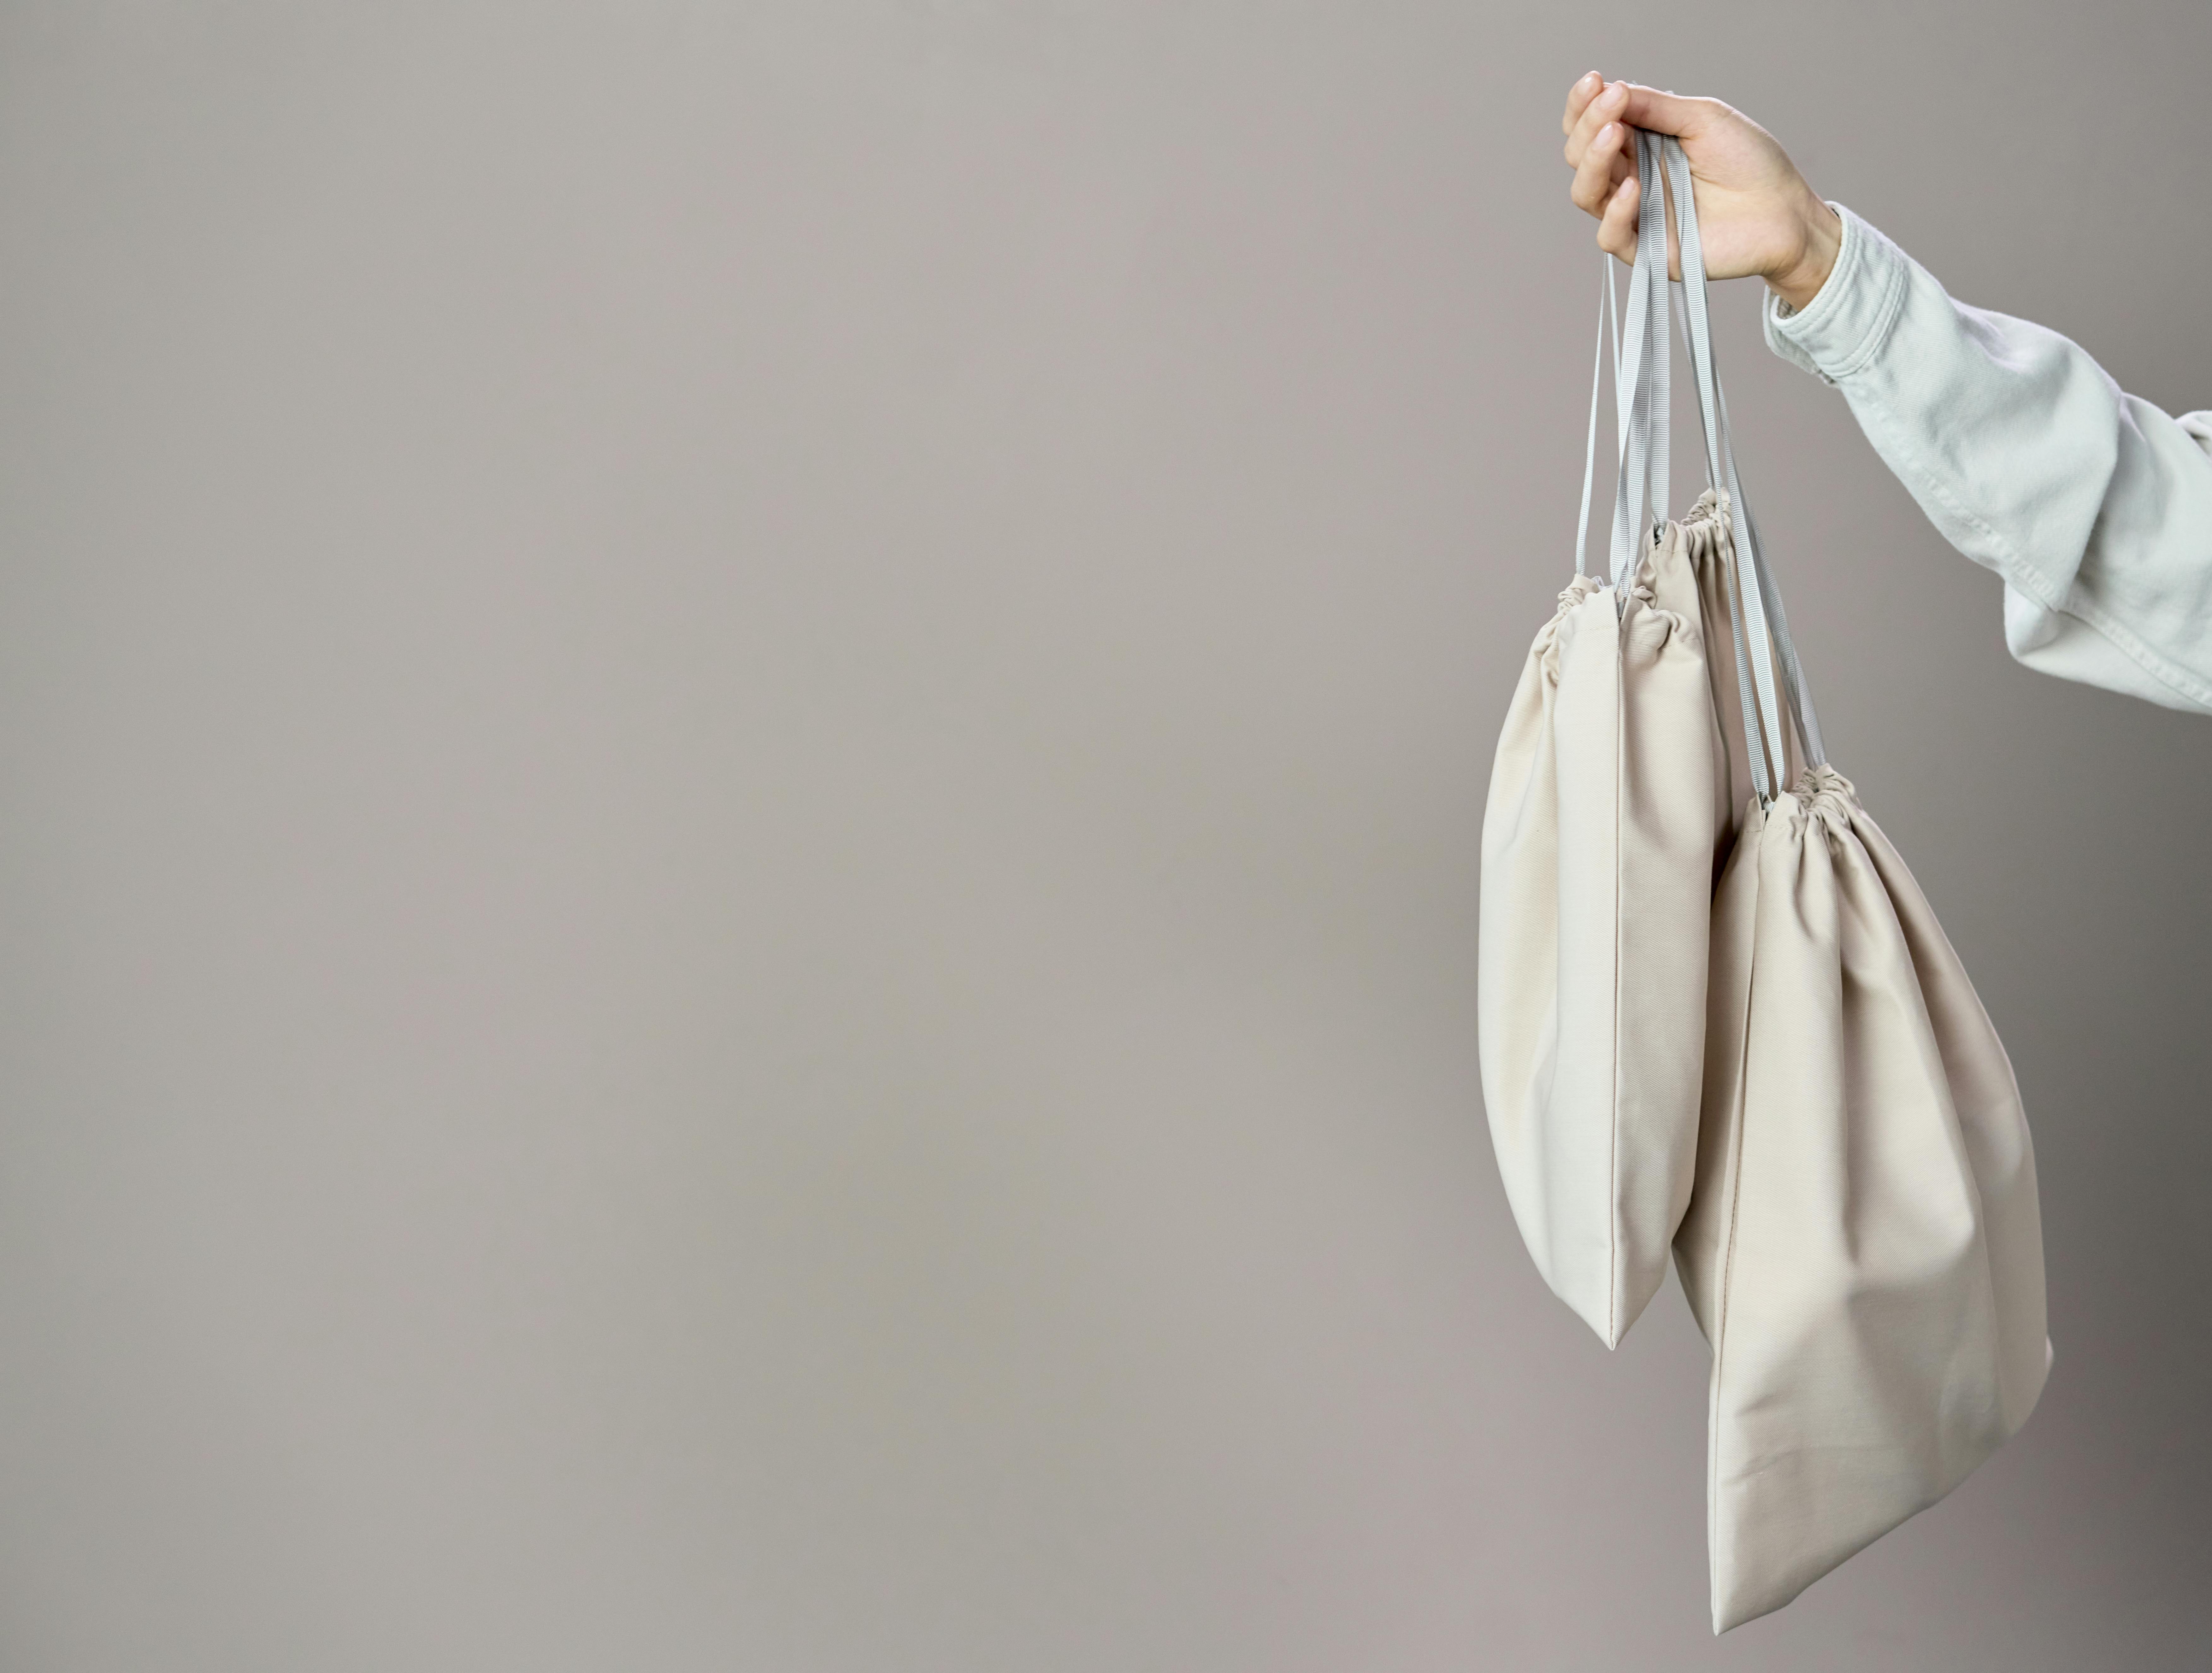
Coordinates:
1598 855
1863 1250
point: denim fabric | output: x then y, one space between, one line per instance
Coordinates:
2094 507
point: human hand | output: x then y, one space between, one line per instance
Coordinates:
1755 213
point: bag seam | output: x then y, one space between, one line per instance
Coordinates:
1741 1102
1612 1151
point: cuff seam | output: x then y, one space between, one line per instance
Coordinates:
1877 336
1848 256
1862 248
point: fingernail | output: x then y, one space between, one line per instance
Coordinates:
1618 93
1605 134
1586 80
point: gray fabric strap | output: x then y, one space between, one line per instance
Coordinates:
1793 671
1762 622
1638 408
1641 341
1754 736
1631 413
1607 301
1754 671
1648 165
1640 381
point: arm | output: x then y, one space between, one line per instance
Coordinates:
2094 507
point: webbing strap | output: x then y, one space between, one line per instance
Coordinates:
1793 670
1605 300
1662 339
1763 621
1641 341
1755 685
1640 382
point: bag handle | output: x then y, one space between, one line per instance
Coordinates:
1763 620
1640 392
1607 300
1639 389
1755 682
1757 620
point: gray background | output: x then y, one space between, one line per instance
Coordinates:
743 751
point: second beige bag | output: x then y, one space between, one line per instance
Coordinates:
1863 1249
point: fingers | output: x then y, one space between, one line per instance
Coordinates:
1616 227
1667 112
1604 171
1606 163
1601 108
1598 119
1579 96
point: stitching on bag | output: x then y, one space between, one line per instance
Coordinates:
1612 1152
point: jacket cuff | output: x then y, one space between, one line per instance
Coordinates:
1845 324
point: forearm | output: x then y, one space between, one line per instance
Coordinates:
2095 507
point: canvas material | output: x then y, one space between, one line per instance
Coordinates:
1864 1247
1862 1244
1597 868
1863 1250
1596 880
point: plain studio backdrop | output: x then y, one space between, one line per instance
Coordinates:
742 752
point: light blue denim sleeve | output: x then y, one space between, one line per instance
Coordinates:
2095 507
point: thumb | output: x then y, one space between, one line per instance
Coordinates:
1666 112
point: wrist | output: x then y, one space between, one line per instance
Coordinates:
1798 279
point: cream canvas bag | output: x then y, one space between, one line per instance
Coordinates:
1863 1249
1607 798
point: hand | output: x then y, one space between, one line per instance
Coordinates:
1755 213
